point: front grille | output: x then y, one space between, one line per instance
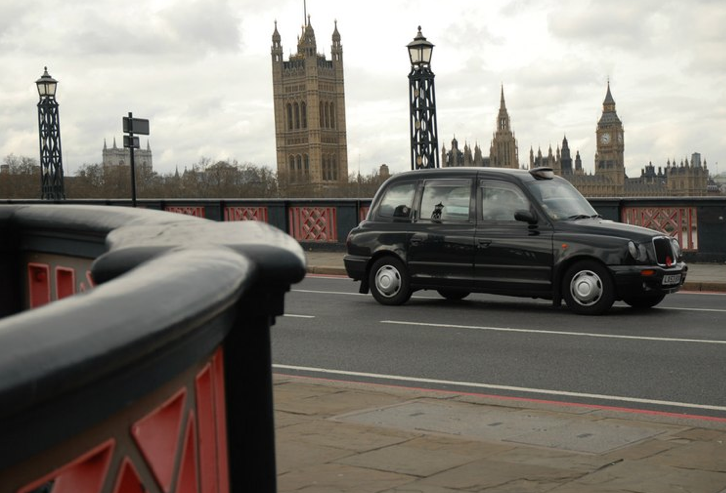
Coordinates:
664 253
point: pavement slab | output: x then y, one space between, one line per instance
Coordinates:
353 437
339 478
645 477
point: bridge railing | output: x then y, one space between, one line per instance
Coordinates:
144 363
699 223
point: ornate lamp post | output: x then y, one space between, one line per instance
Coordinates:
422 99
51 161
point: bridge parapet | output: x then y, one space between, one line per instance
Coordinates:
159 377
699 223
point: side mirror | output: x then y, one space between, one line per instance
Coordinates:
526 216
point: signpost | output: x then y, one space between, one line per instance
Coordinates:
133 126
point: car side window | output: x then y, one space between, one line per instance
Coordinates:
445 201
500 200
397 201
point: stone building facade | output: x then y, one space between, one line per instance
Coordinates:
115 156
309 104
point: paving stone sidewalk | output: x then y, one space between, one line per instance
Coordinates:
349 437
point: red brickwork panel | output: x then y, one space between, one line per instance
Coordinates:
678 222
314 224
188 210
241 213
181 441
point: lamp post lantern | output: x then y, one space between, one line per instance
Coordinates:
51 160
422 102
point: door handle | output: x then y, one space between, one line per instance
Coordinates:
416 241
483 243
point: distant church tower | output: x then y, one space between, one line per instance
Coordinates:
503 152
116 156
609 157
309 102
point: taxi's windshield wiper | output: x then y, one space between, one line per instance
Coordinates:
575 217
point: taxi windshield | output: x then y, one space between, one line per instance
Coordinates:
560 200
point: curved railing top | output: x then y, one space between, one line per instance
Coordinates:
168 289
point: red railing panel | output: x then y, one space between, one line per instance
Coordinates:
243 213
314 224
188 210
678 222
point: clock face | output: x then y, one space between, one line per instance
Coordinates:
605 138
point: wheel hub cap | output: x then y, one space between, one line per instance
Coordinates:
586 288
388 281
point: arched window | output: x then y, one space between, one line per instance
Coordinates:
333 169
291 161
304 111
297 116
289 116
322 115
327 115
332 115
307 165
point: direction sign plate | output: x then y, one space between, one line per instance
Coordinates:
137 126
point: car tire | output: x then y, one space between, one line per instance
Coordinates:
453 294
389 281
588 288
645 301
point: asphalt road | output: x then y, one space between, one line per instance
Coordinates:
671 358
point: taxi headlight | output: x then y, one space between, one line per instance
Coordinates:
632 250
637 251
677 252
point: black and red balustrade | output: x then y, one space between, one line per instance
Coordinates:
135 350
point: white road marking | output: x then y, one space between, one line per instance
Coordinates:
553 332
563 393
313 291
539 302
298 316
692 309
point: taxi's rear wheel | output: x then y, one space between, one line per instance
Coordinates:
453 294
645 301
588 288
389 281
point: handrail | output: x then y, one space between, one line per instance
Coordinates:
171 291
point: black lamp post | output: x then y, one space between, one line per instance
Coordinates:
51 160
422 101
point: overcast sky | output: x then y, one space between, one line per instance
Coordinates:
200 71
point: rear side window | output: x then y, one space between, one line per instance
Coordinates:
445 201
500 200
397 201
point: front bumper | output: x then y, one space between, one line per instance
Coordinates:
638 280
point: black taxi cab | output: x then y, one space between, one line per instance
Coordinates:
524 233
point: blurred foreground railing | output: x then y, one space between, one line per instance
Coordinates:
159 378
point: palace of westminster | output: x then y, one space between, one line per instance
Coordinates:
310 135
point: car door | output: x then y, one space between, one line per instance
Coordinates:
441 246
512 256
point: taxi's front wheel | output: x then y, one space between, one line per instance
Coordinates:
588 288
389 281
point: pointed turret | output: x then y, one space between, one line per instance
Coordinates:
306 44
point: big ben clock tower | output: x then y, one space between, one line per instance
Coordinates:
609 157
